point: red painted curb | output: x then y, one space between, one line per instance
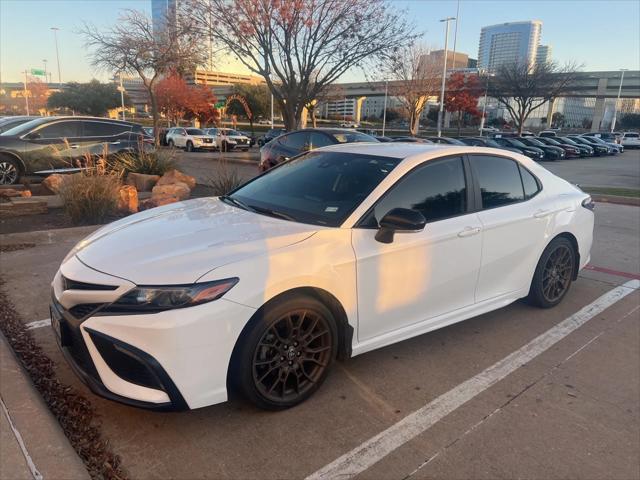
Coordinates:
609 271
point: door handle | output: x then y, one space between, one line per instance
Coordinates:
542 213
74 146
469 232
115 143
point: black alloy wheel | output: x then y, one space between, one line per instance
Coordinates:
285 355
9 172
554 274
189 146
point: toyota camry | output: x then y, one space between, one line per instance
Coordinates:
334 253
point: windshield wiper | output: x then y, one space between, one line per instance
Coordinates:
272 213
236 202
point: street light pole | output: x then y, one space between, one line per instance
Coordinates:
444 74
45 69
384 111
26 93
55 36
122 96
615 107
484 105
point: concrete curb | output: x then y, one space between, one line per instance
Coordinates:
39 434
633 201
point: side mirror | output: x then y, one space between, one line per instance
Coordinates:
399 220
34 136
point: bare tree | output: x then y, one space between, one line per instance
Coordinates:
301 46
412 80
522 88
133 46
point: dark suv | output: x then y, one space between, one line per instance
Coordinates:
291 144
49 144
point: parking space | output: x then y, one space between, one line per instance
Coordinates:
571 410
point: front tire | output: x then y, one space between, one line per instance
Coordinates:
286 353
9 171
189 146
554 274
171 144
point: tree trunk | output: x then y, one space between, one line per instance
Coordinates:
413 123
459 121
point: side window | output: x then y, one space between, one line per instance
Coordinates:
499 180
317 140
531 186
297 141
61 130
104 129
437 190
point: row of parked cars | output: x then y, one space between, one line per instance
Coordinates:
278 145
203 139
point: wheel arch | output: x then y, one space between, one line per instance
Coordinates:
576 248
345 330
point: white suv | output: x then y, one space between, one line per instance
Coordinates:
233 138
190 139
631 139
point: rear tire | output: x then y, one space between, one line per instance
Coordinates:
285 354
553 275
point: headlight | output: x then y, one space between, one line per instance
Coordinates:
161 298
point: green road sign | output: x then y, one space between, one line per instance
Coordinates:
37 72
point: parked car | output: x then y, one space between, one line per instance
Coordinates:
531 152
550 152
616 147
191 139
62 144
250 136
291 144
408 139
339 252
598 149
231 136
630 139
570 151
445 140
264 121
585 150
7 123
270 135
548 133
488 129
487 142
609 137
349 125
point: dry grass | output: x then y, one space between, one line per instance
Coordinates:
225 179
155 163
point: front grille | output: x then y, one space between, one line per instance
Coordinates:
68 284
123 361
84 309
207 140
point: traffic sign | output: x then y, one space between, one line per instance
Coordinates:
37 72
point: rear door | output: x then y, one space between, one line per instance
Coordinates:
102 137
516 217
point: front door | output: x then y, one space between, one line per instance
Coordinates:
420 275
56 145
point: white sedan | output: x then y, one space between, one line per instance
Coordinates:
334 253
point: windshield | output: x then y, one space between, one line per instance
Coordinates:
515 142
353 137
194 131
321 188
492 143
232 132
25 127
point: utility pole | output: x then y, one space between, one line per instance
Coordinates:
615 107
55 36
45 69
384 112
26 92
444 74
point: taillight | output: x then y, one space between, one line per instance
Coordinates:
588 203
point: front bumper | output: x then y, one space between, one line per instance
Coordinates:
173 360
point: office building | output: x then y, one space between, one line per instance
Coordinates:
217 79
436 57
544 54
512 42
163 11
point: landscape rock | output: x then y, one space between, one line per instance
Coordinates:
53 183
179 190
157 201
128 199
175 176
11 192
142 182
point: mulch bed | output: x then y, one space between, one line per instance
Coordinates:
74 412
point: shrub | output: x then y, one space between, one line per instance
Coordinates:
225 180
90 198
155 163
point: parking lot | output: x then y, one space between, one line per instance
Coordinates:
430 407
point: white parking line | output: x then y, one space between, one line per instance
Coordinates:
381 445
38 324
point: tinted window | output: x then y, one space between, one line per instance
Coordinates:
61 130
194 131
499 180
103 129
531 187
318 140
350 137
437 190
297 141
317 187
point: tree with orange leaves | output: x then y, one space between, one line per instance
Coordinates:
178 100
462 96
38 94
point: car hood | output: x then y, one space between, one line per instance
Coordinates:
179 243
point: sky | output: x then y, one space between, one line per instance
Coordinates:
599 34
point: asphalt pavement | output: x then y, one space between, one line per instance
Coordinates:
563 400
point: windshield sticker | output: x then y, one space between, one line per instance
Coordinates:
331 209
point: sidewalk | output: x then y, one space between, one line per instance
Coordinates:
32 443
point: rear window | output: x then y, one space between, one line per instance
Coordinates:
353 137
